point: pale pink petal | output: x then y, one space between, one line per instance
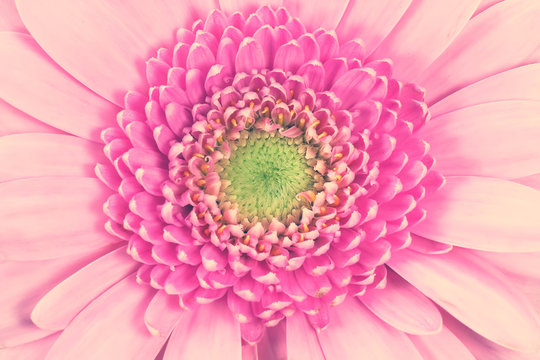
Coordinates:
302 342
415 314
474 293
354 328
422 34
37 155
104 44
111 327
14 121
428 246
483 213
34 84
59 306
273 345
208 332
27 283
441 346
246 6
485 4
35 350
521 83
482 348
371 20
525 265
162 314
531 181
9 17
326 14
498 39
50 217
497 139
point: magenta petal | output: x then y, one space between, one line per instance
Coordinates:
289 57
250 56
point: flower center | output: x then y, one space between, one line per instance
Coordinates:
264 175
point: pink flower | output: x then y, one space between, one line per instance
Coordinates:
282 179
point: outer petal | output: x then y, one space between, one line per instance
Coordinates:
60 305
353 327
531 181
526 265
34 350
325 14
37 155
521 83
485 4
246 6
9 17
415 314
162 314
121 308
24 284
474 293
31 82
14 121
496 40
103 44
302 342
422 34
483 213
498 139
273 345
206 333
44 218
482 348
441 346
370 20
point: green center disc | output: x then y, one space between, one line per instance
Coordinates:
265 175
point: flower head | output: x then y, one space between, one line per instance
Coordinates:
272 181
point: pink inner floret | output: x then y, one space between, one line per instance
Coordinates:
229 77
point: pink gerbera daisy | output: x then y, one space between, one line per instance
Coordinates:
245 179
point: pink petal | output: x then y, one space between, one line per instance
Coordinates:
51 217
482 348
494 41
273 345
415 314
474 293
37 155
247 7
325 15
34 350
521 83
526 265
27 282
485 4
59 306
441 346
103 44
484 214
371 20
162 314
32 83
111 326
10 20
427 246
478 140
14 121
208 332
531 181
302 342
250 56
354 328
427 28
